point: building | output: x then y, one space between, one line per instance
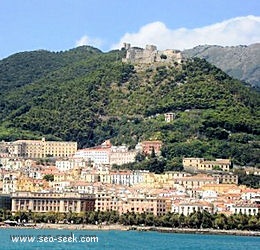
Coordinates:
106 154
149 146
191 164
68 164
96 155
226 178
196 181
107 201
187 208
52 202
163 205
42 148
9 183
199 164
221 188
245 208
127 178
121 155
139 203
218 164
162 180
169 117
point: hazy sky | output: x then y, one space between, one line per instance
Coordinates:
178 24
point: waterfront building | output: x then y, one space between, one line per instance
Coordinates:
245 208
187 208
52 202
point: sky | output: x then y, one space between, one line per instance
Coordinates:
59 25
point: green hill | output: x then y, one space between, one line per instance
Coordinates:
88 96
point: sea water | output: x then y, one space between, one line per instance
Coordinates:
70 239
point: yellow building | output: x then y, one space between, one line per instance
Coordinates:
222 188
196 181
29 184
42 148
162 180
199 164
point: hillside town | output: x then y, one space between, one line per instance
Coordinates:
44 176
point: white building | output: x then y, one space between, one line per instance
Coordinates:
97 155
9 184
127 178
65 165
191 207
106 154
60 186
248 209
251 194
121 155
209 195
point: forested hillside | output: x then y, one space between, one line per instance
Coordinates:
89 96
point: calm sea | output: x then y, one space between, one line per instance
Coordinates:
63 239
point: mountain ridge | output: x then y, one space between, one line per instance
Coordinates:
241 62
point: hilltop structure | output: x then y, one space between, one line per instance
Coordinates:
151 55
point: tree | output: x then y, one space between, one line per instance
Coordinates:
48 177
139 157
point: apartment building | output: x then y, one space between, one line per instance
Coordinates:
108 200
164 205
55 202
9 183
127 178
187 208
139 203
68 164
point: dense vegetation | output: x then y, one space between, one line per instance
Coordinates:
88 96
195 220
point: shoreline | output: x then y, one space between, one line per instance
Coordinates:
118 227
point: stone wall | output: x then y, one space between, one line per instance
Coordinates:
150 55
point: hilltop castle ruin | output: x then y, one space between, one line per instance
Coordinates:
150 55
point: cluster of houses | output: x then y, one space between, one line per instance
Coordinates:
84 180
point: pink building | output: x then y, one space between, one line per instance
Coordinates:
149 146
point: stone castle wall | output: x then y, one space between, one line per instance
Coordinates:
150 55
